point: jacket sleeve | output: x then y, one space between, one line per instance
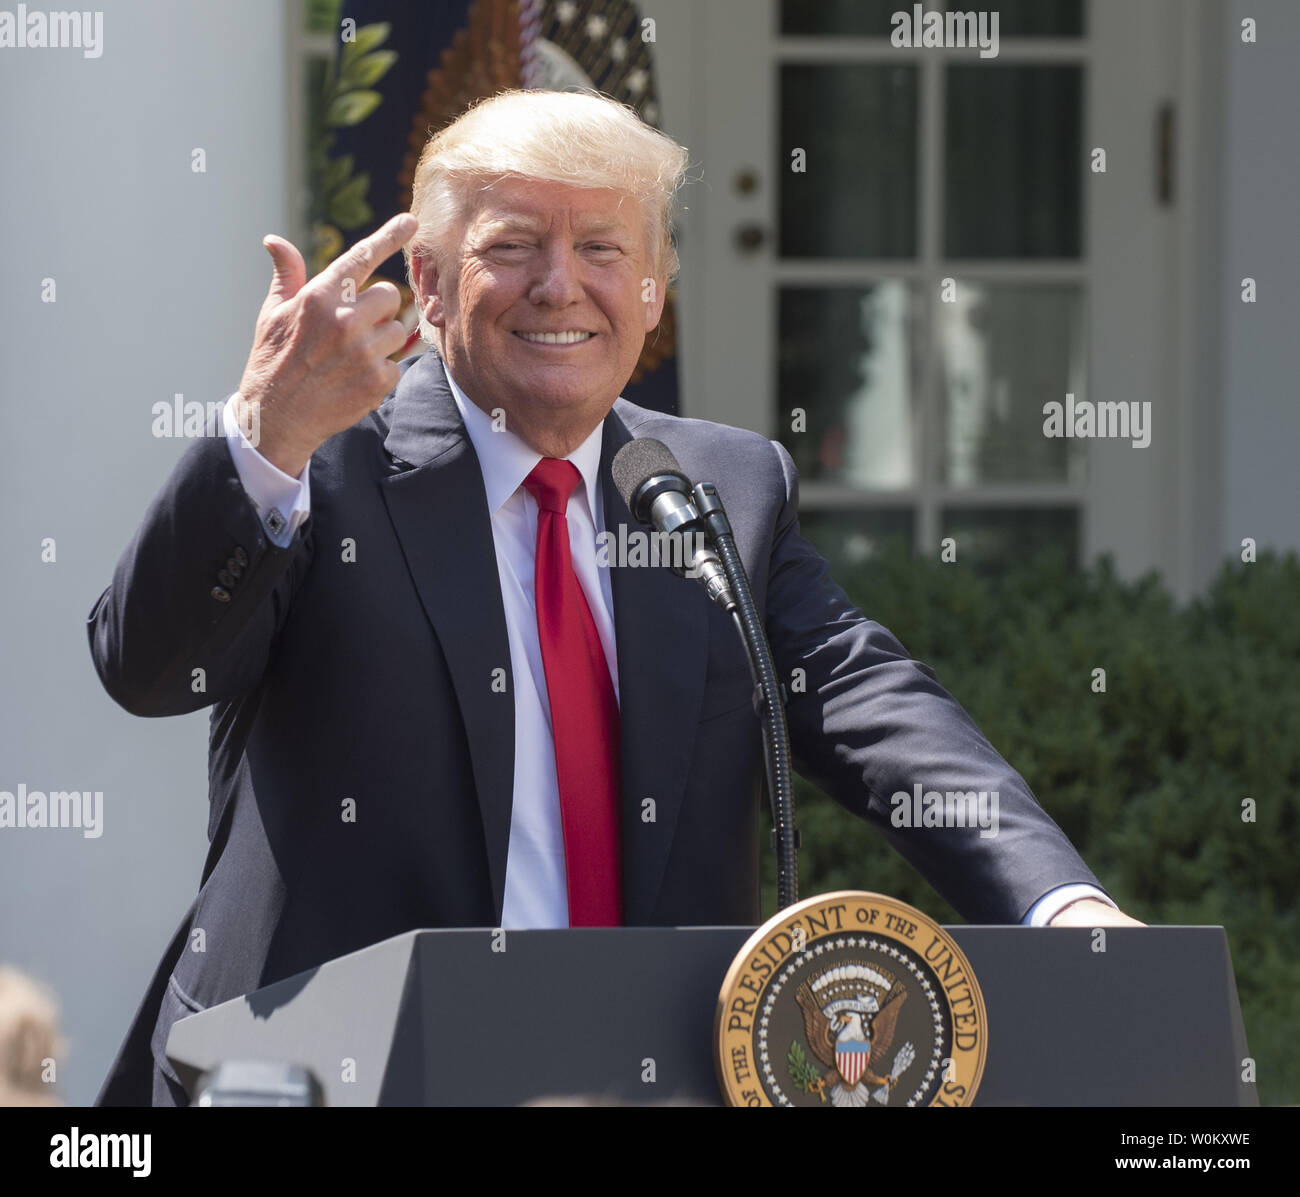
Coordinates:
198 596
872 723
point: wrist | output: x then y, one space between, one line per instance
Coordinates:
256 421
1091 912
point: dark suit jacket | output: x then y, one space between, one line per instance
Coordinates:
332 679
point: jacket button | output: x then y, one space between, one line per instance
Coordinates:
234 567
226 578
222 596
241 556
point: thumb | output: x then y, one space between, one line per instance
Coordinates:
289 271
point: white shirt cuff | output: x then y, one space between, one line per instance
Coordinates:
1054 901
282 502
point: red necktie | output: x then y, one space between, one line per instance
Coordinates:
584 711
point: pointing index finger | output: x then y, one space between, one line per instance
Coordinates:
360 262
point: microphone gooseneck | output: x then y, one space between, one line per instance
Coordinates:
659 494
768 694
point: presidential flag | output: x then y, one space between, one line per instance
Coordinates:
396 72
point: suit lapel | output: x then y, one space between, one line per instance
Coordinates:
661 633
440 514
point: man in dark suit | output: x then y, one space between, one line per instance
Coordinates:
432 704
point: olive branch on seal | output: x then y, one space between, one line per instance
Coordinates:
804 1072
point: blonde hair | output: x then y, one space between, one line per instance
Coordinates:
28 1036
578 138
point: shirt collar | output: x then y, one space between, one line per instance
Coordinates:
506 461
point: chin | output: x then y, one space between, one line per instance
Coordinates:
558 395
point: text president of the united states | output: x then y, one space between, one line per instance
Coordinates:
432 705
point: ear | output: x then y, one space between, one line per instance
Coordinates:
428 288
657 289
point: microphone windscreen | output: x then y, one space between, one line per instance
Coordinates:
637 462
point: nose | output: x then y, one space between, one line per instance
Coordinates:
557 283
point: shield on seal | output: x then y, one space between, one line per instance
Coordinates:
851 1059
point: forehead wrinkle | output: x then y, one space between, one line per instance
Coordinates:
493 209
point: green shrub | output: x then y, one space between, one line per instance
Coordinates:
1201 711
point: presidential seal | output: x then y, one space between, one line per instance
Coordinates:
850 999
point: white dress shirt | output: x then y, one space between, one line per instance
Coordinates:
536 895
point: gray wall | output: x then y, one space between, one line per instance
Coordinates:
159 273
1261 240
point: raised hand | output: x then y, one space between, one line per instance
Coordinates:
320 352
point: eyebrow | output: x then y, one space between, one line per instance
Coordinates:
524 224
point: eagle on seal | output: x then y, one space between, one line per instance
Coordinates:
851 1036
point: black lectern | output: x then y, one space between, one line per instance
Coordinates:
482 1017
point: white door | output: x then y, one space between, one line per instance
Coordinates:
845 180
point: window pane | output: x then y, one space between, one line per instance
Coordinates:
856 196
854 18
848 539
994 538
871 18
1005 350
848 358
1033 18
1012 162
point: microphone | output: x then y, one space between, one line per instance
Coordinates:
657 493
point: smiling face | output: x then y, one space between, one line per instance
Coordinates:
542 312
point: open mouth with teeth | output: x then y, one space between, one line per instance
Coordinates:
569 337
